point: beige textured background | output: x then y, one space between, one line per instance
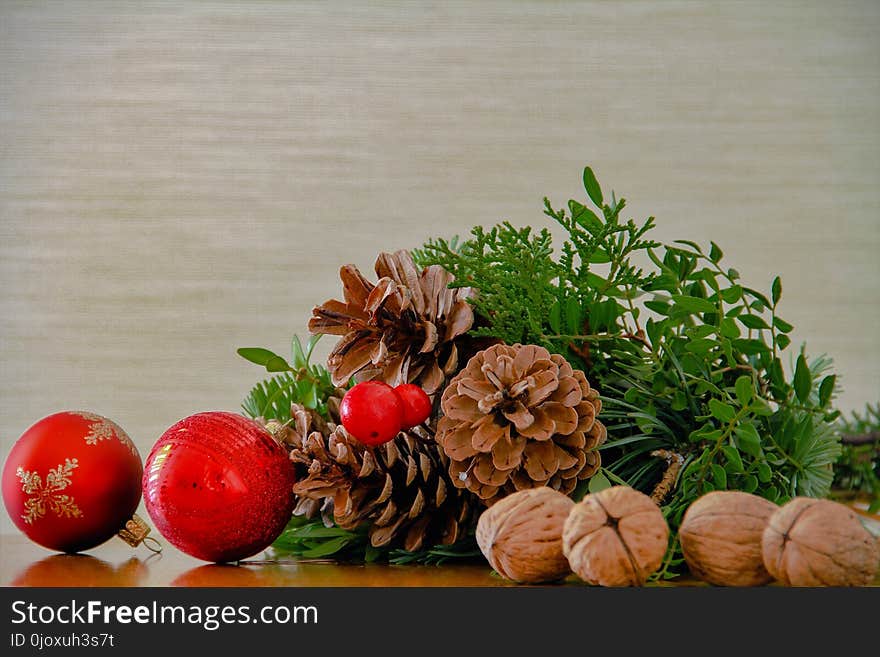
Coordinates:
178 180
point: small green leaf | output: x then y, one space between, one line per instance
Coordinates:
701 346
709 277
599 482
721 411
257 355
599 256
601 315
701 331
317 531
555 317
727 348
277 364
803 381
679 401
753 322
371 554
777 377
691 304
311 397
327 548
732 294
744 390
693 245
765 474
764 301
729 328
715 253
760 407
585 217
298 356
660 307
750 347
733 457
592 187
777 290
719 477
572 316
655 331
826 388
701 435
736 311
782 341
747 439
782 325
750 483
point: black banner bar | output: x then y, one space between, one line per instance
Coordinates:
454 621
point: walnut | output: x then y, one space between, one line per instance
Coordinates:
521 535
721 538
812 542
616 537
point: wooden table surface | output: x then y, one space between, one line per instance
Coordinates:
116 564
22 563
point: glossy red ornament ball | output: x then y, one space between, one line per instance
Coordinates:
416 404
72 481
218 486
371 412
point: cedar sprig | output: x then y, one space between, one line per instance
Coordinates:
527 296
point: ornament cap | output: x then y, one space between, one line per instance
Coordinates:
136 531
277 430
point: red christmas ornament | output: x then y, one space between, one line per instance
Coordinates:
218 486
72 481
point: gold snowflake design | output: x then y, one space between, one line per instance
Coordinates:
48 496
103 429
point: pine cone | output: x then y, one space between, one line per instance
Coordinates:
401 488
403 329
518 417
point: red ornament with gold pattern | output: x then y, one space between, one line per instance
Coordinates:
73 481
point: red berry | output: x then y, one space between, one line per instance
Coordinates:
371 412
416 404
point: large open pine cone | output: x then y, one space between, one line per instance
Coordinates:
403 329
402 488
517 417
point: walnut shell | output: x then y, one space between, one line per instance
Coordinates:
521 535
811 542
721 538
616 537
